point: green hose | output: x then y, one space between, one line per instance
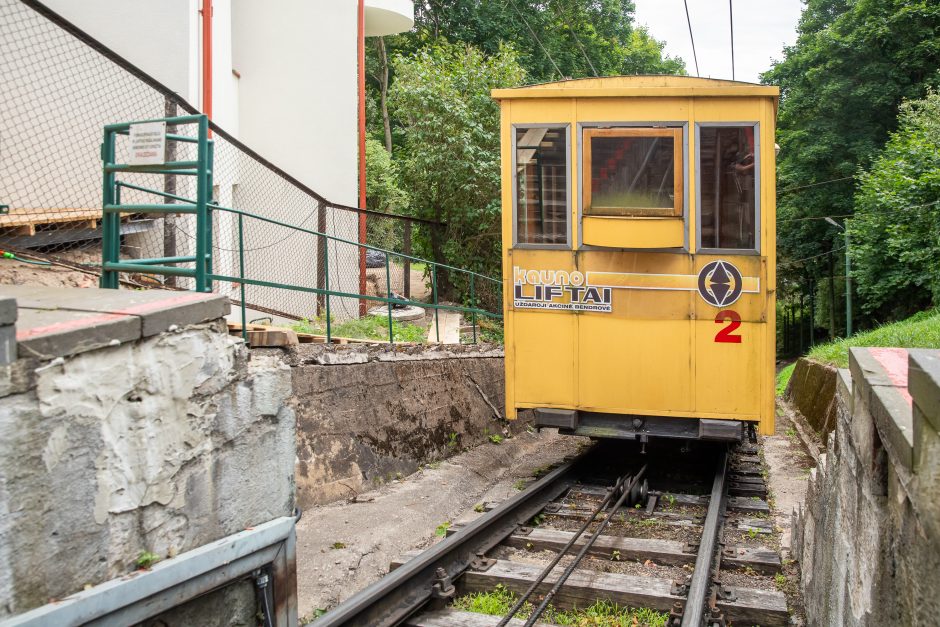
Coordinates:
8 255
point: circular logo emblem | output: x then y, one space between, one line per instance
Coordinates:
719 283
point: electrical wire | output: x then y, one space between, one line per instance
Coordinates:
828 252
792 189
731 19
8 255
578 41
689 21
537 40
852 215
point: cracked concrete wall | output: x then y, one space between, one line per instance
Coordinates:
160 445
366 414
868 534
812 391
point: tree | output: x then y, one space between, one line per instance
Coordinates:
841 83
449 159
383 193
896 229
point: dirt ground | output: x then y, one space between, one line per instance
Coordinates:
13 272
344 547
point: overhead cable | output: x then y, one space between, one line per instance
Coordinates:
689 21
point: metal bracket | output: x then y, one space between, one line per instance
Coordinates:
715 618
726 594
442 590
523 531
676 613
481 563
679 588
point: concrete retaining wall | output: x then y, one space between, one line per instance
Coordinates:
868 535
368 414
161 442
812 390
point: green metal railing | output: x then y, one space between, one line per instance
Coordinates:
205 210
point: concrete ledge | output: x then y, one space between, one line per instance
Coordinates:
924 383
56 322
885 394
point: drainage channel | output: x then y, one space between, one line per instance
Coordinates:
615 525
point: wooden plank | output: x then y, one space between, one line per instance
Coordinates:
664 518
758 480
669 552
747 469
272 337
760 559
760 525
767 608
747 489
748 505
456 618
746 459
46 215
679 499
582 589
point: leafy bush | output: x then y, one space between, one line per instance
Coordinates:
921 330
367 328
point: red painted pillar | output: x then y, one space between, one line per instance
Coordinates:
361 43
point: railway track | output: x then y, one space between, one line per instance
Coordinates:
636 530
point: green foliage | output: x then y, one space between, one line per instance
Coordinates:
921 330
367 328
383 193
442 528
841 85
895 233
449 160
338 545
783 379
600 614
146 559
496 438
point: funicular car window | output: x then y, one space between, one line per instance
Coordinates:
727 187
541 203
633 172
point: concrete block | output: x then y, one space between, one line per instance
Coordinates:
844 388
924 383
341 359
50 333
7 344
7 310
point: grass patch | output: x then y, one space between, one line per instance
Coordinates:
368 328
783 378
490 329
922 330
600 614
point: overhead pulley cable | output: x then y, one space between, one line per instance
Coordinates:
731 20
691 37
537 40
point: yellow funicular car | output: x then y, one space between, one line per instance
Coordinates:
638 255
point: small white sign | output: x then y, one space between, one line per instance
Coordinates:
148 143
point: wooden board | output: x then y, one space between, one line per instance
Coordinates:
32 216
235 328
767 608
272 337
748 505
760 559
669 552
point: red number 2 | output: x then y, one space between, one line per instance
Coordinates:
734 321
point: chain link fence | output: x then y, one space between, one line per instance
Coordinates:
61 87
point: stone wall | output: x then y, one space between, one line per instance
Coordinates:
160 444
868 535
812 391
367 414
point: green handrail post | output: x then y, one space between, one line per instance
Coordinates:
202 199
388 293
210 175
326 281
473 313
437 322
241 273
109 278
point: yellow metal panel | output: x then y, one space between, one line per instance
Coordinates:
631 110
544 360
615 232
637 86
634 366
728 110
728 375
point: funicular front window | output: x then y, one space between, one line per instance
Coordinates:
727 157
541 201
633 172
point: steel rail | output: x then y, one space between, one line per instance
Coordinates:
694 613
406 589
545 571
587 546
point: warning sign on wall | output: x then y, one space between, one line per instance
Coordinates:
148 143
